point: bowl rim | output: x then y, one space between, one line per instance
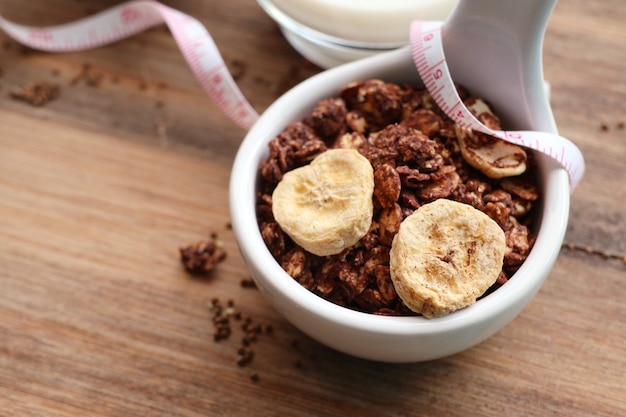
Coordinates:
519 290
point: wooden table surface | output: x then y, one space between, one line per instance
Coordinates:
101 187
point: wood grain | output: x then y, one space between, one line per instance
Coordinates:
100 188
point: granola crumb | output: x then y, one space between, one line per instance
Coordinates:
238 69
245 356
248 283
88 76
36 94
202 256
221 315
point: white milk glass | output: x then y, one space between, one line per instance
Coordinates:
332 32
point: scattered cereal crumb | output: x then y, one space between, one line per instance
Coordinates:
238 69
255 377
221 322
620 125
36 94
245 356
248 283
221 315
604 127
202 256
88 76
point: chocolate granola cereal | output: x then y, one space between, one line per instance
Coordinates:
416 157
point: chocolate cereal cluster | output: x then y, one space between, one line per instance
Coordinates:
416 155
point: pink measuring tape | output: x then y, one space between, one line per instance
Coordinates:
204 59
430 60
130 18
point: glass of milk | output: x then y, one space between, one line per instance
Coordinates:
332 32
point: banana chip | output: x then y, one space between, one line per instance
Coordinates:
326 206
494 157
445 255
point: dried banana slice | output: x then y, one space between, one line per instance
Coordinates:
326 206
445 255
494 157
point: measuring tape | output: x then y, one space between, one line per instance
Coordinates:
430 61
127 19
205 61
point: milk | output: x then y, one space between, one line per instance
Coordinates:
376 22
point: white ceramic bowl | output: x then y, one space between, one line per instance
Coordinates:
382 338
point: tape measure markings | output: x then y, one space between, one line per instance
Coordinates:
428 54
203 57
128 19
